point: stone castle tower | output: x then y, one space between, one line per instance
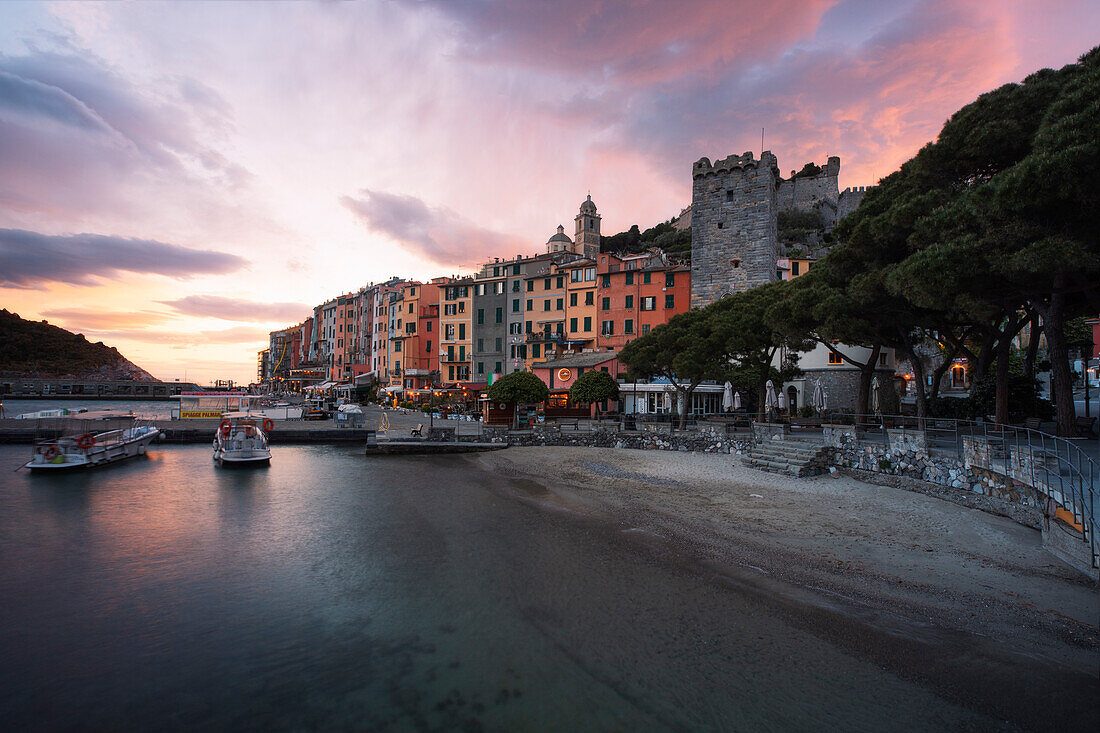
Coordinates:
586 240
734 205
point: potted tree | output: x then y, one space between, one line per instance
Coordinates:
593 387
518 388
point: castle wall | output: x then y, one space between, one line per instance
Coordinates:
819 192
850 199
733 226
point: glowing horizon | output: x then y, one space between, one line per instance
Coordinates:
178 179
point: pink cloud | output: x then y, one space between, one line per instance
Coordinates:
434 233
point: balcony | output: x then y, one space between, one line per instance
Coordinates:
555 337
454 359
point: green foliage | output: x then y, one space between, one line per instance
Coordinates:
664 235
593 386
788 219
518 387
39 349
806 411
808 171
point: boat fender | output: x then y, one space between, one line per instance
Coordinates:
85 441
225 426
269 425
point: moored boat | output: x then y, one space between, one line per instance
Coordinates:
241 439
92 446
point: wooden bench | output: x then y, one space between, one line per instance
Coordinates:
563 424
418 431
1084 424
1032 423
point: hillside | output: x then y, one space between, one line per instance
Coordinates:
35 349
674 241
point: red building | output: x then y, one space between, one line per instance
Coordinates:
635 293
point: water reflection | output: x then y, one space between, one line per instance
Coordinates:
334 591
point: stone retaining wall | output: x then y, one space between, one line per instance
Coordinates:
941 470
706 440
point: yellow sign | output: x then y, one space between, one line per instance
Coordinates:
200 414
564 375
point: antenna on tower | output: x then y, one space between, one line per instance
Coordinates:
761 142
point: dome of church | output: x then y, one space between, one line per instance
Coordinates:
587 206
561 236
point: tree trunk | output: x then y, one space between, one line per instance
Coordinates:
1032 347
1001 400
1061 378
761 393
918 379
866 374
685 400
984 358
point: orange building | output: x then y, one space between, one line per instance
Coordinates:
635 293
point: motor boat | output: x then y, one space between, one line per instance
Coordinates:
241 439
92 446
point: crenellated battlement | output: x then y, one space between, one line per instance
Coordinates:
731 163
857 189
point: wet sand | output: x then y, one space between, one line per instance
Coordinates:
951 596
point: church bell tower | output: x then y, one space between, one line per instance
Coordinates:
587 238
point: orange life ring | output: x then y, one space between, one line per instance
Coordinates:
225 426
49 451
269 424
85 441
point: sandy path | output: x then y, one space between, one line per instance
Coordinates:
907 557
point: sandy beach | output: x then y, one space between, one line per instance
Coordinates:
843 555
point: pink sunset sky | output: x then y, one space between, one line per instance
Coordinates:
177 179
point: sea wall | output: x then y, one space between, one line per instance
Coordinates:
706 440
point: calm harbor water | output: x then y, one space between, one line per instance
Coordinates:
148 409
334 591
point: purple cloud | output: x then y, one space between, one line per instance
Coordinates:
436 234
77 138
30 259
236 309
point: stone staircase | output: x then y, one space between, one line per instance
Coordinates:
787 456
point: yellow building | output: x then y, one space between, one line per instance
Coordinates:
580 310
456 330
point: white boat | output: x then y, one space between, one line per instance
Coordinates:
90 448
41 414
241 439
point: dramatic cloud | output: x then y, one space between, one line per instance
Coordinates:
633 41
78 138
237 309
436 234
80 319
30 259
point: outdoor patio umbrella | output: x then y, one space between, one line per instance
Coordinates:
818 399
875 407
736 400
727 398
770 400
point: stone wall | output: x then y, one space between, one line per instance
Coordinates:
706 440
734 246
849 200
941 470
904 440
838 436
820 192
842 385
763 432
